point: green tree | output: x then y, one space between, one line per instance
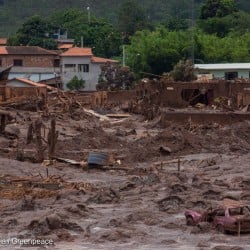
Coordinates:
183 71
237 22
131 18
158 51
115 77
36 31
98 34
174 23
217 8
76 84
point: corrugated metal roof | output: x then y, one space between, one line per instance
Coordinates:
35 77
223 66
34 70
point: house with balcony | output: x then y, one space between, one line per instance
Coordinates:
82 63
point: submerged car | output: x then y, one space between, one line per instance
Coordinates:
231 216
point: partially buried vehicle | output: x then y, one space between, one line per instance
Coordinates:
231 216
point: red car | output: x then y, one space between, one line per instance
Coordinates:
231 216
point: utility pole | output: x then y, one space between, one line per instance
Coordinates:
81 41
123 56
88 9
192 45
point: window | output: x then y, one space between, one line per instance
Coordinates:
0 62
231 75
220 212
83 67
18 62
70 67
57 63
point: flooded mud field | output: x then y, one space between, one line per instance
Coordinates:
153 173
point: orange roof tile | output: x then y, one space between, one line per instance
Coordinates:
76 51
65 46
95 59
3 41
3 50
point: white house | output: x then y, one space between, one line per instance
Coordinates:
82 63
227 71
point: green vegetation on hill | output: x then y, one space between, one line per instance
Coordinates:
14 12
156 35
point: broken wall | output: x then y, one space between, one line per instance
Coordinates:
7 92
179 94
118 98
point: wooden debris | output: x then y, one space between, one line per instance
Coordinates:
52 139
40 148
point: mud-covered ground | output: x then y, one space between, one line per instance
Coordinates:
138 202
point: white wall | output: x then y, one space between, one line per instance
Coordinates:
90 78
221 73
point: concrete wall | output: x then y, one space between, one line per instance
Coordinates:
9 92
90 78
120 97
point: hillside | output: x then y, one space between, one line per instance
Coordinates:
14 12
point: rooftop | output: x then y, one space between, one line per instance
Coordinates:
76 51
3 41
95 59
65 46
25 50
219 66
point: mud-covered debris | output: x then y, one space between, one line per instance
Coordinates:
127 186
12 130
178 188
26 204
116 235
202 227
165 150
170 204
54 221
108 195
211 194
228 248
50 223
79 210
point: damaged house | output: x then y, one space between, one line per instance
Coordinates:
182 94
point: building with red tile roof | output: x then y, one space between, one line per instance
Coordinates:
82 63
30 62
76 51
